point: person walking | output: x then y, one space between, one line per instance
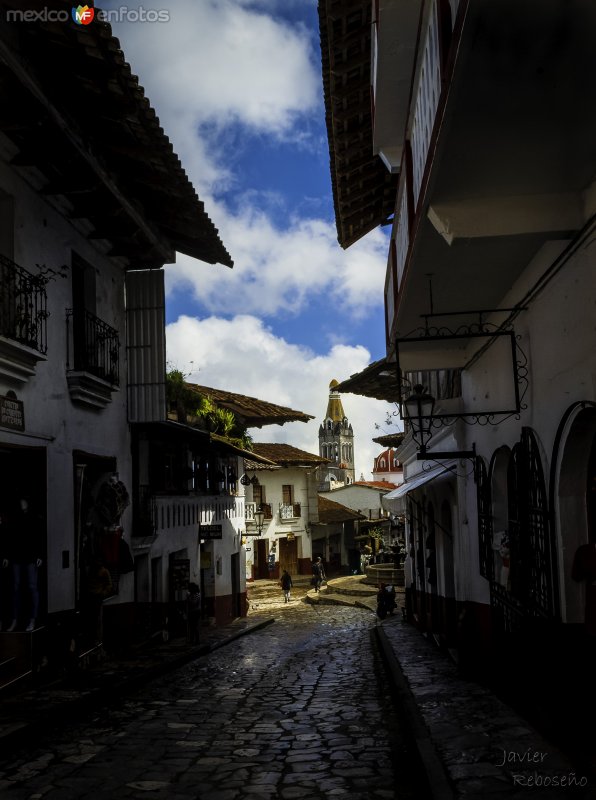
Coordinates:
286 584
318 574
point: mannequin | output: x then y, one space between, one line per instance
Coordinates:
24 549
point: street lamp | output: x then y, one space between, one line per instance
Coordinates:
419 408
259 521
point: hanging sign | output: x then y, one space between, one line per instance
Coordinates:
12 414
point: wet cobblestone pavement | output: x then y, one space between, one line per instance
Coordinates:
297 709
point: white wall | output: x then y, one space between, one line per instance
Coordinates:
44 237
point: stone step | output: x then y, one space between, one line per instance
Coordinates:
349 591
331 599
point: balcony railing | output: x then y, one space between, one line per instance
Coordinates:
180 512
427 100
95 346
289 511
425 104
23 306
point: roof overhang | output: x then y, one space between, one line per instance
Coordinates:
378 380
395 36
250 411
97 153
169 430
363 189
225 446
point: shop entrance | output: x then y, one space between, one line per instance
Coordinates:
23 477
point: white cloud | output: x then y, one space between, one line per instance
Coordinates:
242 355
279 271
222 62
227 61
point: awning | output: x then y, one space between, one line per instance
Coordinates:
416 481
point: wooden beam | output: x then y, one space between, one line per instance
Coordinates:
21 71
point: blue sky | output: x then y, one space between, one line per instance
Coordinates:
237 87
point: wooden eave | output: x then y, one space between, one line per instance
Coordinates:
364 191
378 380
250 411
75 111
390 439
287 455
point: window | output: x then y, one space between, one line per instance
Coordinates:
287 492
96 344
258 495
6 225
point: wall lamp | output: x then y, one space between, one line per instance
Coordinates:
259 521
419 407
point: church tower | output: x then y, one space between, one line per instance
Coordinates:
336 442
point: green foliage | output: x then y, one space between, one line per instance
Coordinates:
203 410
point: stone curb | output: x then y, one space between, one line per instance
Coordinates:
438 781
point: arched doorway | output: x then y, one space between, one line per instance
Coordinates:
522 574
574 464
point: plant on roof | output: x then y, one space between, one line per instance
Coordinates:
191 406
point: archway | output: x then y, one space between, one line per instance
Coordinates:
574 463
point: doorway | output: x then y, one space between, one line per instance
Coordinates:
288 555
235 573
261 566
23 475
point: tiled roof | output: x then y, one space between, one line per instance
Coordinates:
376 484
250 411
287 456
80 117
364 191
330 511
390 439
261 462
378 380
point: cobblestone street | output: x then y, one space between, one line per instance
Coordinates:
299 709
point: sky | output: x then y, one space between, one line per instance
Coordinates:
237 87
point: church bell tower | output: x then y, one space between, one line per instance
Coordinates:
336 443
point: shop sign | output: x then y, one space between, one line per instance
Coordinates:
12 414
210 531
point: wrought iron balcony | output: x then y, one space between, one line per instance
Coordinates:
95 346
23 306
289 511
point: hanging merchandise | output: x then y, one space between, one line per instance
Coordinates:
109 545
112 500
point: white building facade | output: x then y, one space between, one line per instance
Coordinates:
81 249
286 492
485 152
